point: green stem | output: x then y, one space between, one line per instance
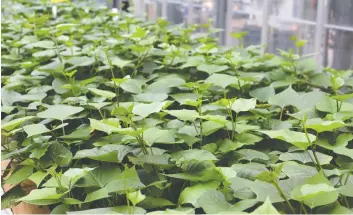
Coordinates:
317 161
112 71
281 114
200 114
303 207
284 197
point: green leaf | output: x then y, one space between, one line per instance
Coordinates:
341 141
305 157
35 129
211 68
98 194
82 133
139 33
266 208
71 201
156 135
316 191
264 190
160 86
185 115
45 44
296 138
99 177
112 210
346 190
9 126
263 94
213 202
119 62
343 97
210 127
135 197
102 126
242 105
56 154
38 177
44 196
132 86
58 86
20 175
127 180
320 125
239 35
145 110
250 154
81 61
153 202
46 53
193 193
222 80
60 112
330 105
193 154
285 98
150 97
103 93
107 153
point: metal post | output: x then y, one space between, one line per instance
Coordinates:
155 9
191 13
228 22
164 9
220 22
319 32
265 24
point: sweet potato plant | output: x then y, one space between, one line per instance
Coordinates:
107 113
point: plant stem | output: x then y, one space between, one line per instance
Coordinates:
283 196
281 114
112 71
303 207
200 114
319 167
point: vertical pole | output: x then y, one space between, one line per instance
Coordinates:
115 6
319 32
155 10
137 7
191 13
142 9
265 24
164 9
228 22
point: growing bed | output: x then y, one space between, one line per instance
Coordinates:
106 113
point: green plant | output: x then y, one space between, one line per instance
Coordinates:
107 113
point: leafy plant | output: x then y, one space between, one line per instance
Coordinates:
107 113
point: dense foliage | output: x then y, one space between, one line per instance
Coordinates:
107 113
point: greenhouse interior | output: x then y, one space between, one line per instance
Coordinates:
176 107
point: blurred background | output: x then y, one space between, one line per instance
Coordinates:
327 25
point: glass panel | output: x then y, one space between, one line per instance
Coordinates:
341 12
176 13
159 9
280 33
151 11
339 49
202 12
294 9
247 16
248 6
